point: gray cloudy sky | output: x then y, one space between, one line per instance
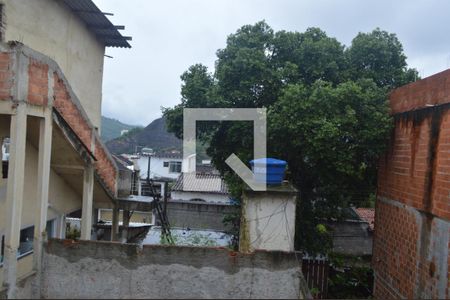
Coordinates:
170 35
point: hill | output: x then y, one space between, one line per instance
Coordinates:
111 128
154 136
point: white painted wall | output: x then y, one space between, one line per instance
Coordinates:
189 164
51 28
157 168
268 219
208 197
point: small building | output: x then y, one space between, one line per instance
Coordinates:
354 234
163 165
201 203
203 187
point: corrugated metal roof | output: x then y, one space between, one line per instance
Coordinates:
202 183
98 23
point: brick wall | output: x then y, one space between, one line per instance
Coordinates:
5 76
37 83
64 101
104 166
411 241
69 111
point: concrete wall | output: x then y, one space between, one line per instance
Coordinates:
137 217
49 27
411 255
351 237
268 219
105 270
198 215
207 197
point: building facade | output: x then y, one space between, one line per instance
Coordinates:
165 165
412 220
51 68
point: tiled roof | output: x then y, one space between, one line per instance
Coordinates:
368 215
201 183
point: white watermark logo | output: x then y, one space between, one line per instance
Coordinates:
257 115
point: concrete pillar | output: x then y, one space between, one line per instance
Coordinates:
43 179
14 198
126 215
88 191
139 186
268 219
115 224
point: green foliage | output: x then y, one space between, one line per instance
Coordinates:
232 220
112 128
350 277
72 233
327 112
164 239
132 132
379 55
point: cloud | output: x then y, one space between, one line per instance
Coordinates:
169 36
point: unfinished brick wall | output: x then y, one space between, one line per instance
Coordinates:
411 241
69 111
37 83
105 167
5 76
38 94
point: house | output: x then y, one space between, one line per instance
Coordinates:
200 201
164 165
53 162
412 222
204 187
354 234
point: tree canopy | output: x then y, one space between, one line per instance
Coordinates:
327 111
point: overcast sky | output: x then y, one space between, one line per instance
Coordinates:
170 35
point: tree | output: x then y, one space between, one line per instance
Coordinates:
379 55
331 138
327 112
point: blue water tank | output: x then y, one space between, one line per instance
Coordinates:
275 170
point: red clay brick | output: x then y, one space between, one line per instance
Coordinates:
403 178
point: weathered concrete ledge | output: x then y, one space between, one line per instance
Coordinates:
90 269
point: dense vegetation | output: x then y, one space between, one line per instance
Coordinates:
112 128
327 112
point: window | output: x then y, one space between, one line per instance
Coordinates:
26 241
5 157
165 164
175 167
